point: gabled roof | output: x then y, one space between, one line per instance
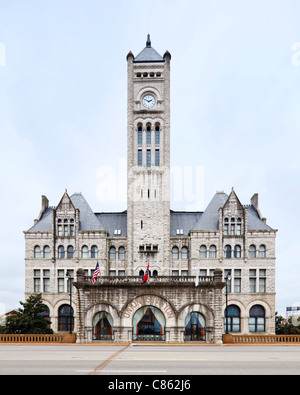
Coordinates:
148 54
88 220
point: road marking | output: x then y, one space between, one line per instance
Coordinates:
100 367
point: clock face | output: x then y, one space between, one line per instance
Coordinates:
148 101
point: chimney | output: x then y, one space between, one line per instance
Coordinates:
45 204
254 201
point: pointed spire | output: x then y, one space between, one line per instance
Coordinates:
148 43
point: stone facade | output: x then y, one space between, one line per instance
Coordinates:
228 238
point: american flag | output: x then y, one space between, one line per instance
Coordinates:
96 272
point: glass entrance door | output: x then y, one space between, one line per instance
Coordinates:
194 327
148 324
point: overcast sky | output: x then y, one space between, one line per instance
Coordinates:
235 112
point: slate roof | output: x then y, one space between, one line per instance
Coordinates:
254 222
88 219
209 220
179 220
45 223
148 54
183 220
114 222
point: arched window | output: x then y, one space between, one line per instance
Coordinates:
184 253
102 326
203 251
237 251
262 251
84 252
94 252
252 251
194 327
112 253
121 254
213 251
37 252
175 253
140 135
257 319
227 251
65 318
155 274
234 319
61 252
70 252
141 273
46 252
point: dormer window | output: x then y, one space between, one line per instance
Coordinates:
65 227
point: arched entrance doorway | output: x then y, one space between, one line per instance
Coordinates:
102 326
148 324
194 327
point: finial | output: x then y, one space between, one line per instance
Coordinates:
148 43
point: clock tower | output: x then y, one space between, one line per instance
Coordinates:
148 162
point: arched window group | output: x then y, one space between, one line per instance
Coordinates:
65 227
210 252
256 319
41 252
176 253
260 253
114 254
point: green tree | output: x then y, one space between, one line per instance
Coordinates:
288 328
28 320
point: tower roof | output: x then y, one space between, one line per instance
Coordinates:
148 54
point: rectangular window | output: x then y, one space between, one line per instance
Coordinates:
148 136
237 281
148 157
225 230
175 273
60 281
140 157
37 281
252 280
157 137
262 280
59 229
238 230
61 285
228 273
157 157
71 230
140 137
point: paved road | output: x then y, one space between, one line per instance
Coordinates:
142 360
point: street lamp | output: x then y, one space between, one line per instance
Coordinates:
70 279
227 278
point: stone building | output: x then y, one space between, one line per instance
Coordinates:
192 256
